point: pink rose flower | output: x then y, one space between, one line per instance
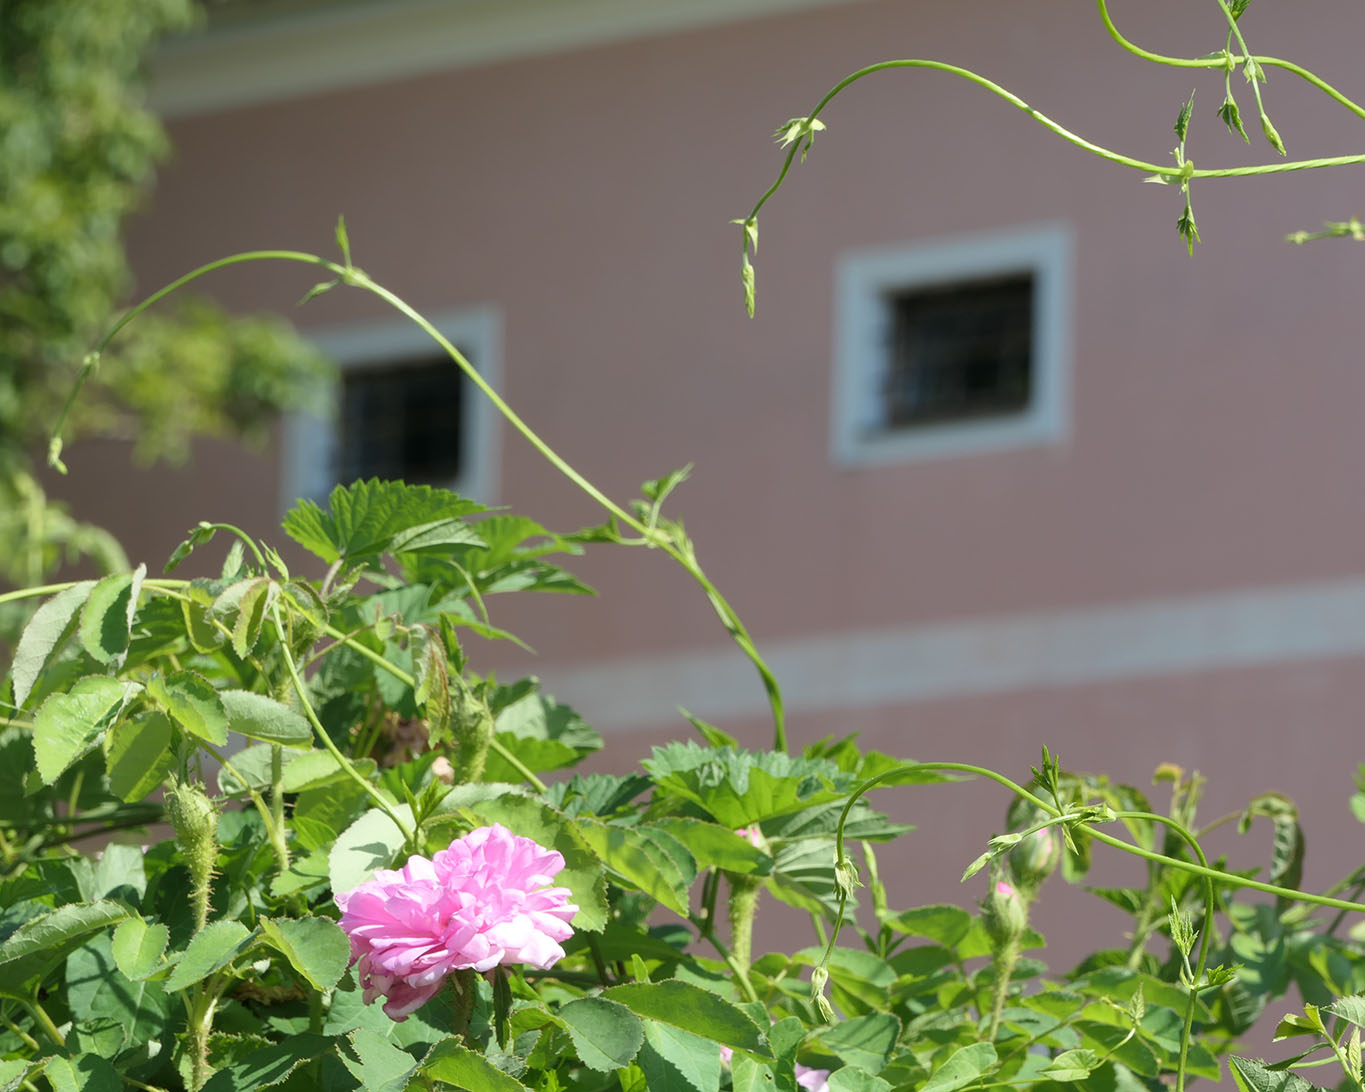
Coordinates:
482 902
753 835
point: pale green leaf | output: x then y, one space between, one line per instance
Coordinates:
217 945
695 1010
962 1068
315 947
67 723
139 947
50 625
138 755
606 1035
264 718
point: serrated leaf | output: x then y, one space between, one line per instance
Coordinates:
57 928
269 1065
107 617
672 1058
961 1068
715 846
606 1034
1254 1076
194 703
694 1010
138 755
543 733
214 947
66 724
629 853
370 518
251 611
315 947
139 947
83 1073
50 625
1182 121
264 718
432 692
452 1063
382 1066
1350 1009
866 1042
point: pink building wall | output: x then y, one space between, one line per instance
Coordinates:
1211 466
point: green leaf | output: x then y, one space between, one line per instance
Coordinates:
371 842
695 1010
107 617
48 628
1071 1065
740 788
1253 1076
97 993
944 925
432 691
606 1035
138 948
138 755
13 1073
83 1073
367 519
629 852
315 947
251 611
1182 121
48 938
853 1079
66 724
194 703
963 1066
303 770
672 1058
715 846
1350 1009
264 718
217 945
450 1062
269 1065
865 1041
343 242
382 1066
543 734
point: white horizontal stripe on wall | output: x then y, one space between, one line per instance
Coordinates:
905 664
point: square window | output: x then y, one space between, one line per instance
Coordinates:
952 347
402 409
401 421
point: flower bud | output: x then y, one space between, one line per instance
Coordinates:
195 822
1006 916
1035 858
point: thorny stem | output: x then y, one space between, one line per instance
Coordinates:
274 825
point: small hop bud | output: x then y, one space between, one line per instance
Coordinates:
1271 135
846 877
819 978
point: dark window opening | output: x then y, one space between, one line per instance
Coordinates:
402 421
959 352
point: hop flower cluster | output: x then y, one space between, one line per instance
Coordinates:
482 902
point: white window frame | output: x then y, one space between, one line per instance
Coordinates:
866 280
310 441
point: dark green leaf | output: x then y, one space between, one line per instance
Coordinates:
695 1010
55 930
676 1059
49 627
1253 1076
382 1066
1182 121
217 945
715 846
83 1073
605 1034
452 1063
629 852
269 1065
96 992
315 947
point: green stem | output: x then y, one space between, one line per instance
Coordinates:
19 1033
409 835
1003 962
45 1022
277 801
246 539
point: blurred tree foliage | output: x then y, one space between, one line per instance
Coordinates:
77 147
